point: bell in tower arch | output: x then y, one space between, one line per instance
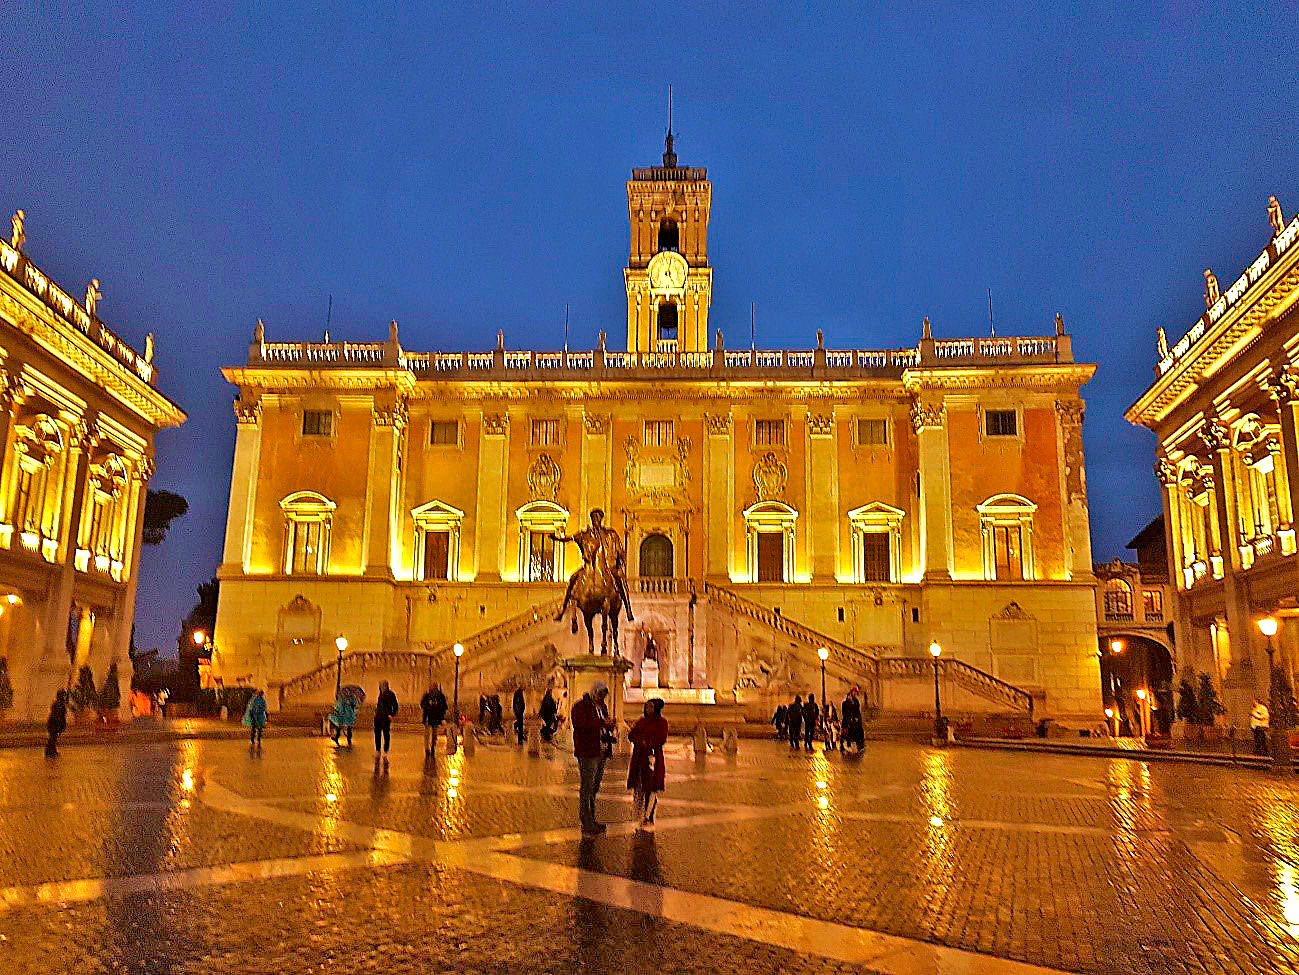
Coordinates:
669 235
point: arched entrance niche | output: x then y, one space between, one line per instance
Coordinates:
1132 662
656 556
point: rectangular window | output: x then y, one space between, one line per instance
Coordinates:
769 433
771 556
437 546
308 537
658 433
875 562
1000 423
873 433
545 433
1007 546
317 423
541 557
443 433
1153 600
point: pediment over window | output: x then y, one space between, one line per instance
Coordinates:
437 511
307 502
876 511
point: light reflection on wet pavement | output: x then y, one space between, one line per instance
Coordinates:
198 856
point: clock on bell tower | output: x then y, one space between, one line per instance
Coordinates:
669 282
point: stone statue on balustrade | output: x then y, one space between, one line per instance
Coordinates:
600 584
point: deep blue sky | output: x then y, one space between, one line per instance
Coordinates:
464 171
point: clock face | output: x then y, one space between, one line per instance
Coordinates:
667 271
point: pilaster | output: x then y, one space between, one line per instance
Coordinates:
237 552
823 496
596 462
493 474
1073 489
929 417
388 421
1170 495
719 494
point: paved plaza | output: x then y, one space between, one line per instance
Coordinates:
197 856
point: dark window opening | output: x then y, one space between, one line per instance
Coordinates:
1000 423
669 236
437 545
840 614
771 556
317 423
875 565
656 556
668 321
915 614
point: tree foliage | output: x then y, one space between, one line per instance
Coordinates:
110 695
83 695
161 508
1188 707
1210 705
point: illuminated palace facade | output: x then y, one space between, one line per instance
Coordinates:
772 504
1223 407
80 411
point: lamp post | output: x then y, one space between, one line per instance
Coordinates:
1143 725
1116 648
1109 721
459 651
1277 723
940 734
341 644
824 654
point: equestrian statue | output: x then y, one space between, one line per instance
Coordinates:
600 584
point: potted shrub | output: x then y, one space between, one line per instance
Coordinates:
1188 708
110 699
84 697
1208 707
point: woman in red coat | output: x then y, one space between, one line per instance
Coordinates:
645 777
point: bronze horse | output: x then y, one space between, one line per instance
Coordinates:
597 587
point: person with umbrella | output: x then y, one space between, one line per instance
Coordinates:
343 717
255 715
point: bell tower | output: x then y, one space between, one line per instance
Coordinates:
669 282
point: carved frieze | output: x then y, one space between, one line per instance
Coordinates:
543 478
769 477
1166 471
247 412
1215 435
394 416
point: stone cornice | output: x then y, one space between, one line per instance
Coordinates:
1070 376
87 359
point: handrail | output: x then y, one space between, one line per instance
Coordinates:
354 661
968 676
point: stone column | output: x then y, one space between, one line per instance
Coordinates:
490 517
1170 494
1247 675
1073 488
243 486
381 541
930 421
719 496
1284 390
822 496
124 604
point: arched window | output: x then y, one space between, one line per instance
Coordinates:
1118 600
541 558
656 556
1007 527
669 236
307 520
38 447
667 322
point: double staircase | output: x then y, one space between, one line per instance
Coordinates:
519 636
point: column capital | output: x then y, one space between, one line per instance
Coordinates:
1215 435
395 416
1283 386
249 412
820 424
596 424
717 424
1071 412
1166 471
495 424
928 415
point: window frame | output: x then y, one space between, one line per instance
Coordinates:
302 510
779 424
541 517
538 423
1005 511
659 424
434 424
328 434
885 444
771 517
876 517
986 413
436 516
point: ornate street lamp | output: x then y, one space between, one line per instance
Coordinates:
824 654
935 651
341 644
459 651
1277 723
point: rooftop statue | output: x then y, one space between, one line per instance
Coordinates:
1274 216
93 296
1210 288
1163 344
19 230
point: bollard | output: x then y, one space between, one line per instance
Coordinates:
470 740
534 741
701 740
730 741
452 746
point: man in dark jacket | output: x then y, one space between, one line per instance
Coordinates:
592 729
518 705
549 713
385 709
810 715
796 721
853 733
433 708
56 722
780 719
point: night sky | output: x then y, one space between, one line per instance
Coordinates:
464 171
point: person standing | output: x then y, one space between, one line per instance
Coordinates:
830 725
796 721
385 709
549 711
591 731
1259 722
853 733
518 705
433 711
810 714
255 715
645 775
55 723
343 717
779 719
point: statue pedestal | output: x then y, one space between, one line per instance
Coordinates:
584 672
649 673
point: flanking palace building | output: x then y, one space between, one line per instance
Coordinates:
773 505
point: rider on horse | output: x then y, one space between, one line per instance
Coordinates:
598 544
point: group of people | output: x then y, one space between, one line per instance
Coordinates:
799 721
594 738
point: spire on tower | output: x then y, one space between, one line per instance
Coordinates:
669 155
